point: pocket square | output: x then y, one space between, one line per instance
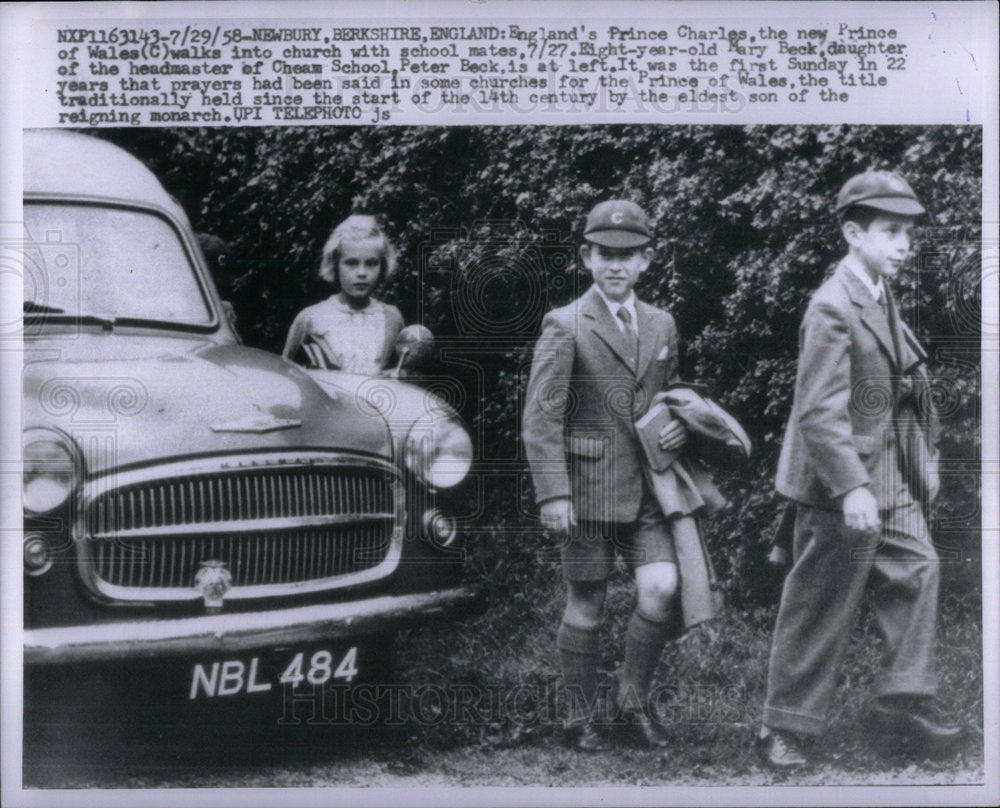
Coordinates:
663 354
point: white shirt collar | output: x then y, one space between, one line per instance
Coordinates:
874 289
613 305
374 306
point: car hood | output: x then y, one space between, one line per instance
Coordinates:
402 405
134 400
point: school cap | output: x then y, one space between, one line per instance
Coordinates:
617 223
882 190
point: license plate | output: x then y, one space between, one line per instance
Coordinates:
261 674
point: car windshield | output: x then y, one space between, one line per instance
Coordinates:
105 263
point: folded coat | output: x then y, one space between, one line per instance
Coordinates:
685 491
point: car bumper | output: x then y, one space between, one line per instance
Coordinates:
239 632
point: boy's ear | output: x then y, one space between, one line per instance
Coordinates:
647 259
851 231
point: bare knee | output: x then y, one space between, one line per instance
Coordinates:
584 603
657 586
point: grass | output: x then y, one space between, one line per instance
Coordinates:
709 687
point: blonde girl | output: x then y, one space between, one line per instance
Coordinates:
350 330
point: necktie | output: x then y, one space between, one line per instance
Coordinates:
631 340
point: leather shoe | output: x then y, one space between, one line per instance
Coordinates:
914 722
586 738
646 728
780 750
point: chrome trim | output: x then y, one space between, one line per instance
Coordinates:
93 489
238 632
72 450
35 572
249 525
256 426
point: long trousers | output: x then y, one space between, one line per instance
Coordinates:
821 601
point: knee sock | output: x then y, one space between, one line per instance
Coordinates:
644 642
579 657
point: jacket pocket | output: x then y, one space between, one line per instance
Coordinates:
585 446
865 444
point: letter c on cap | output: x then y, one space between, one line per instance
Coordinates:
617 217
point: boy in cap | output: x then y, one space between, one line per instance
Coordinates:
859 493
597 364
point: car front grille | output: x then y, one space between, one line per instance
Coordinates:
277 524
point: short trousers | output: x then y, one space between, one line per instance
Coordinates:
588 553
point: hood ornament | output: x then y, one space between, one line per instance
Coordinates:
256 424
213 581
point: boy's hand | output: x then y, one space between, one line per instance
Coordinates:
557 515
673 436
861 510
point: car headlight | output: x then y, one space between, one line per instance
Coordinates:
51 470
438 451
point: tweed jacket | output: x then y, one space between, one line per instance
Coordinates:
584 394
844 428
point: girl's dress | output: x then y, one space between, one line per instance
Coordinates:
335 335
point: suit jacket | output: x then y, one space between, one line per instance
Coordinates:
583 398
843 431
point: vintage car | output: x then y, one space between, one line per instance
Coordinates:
193 501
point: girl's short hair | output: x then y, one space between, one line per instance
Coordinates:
357 227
